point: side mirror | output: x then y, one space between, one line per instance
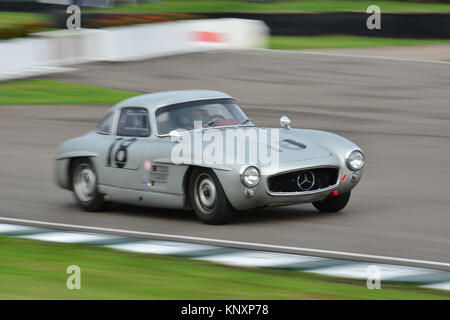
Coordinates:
175 135
285 122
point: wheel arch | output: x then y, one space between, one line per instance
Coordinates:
187 176
185 184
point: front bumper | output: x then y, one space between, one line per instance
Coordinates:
263 197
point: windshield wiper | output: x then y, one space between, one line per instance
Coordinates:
245 122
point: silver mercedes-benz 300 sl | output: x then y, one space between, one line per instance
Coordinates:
198 150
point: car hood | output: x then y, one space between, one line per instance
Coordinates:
295 147
286 145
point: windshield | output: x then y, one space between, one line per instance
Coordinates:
210 113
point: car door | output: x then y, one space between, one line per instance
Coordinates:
124 153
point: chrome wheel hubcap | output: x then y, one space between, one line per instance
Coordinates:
84 182
205 193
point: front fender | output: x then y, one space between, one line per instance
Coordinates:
67 151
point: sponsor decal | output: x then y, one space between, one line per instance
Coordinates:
147 165
206 36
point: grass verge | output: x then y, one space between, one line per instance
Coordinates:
36 270
322 42
199 6
37 91
11 18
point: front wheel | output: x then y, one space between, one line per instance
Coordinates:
84 185
333 204
208 198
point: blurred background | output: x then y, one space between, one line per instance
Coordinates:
315 61
114 30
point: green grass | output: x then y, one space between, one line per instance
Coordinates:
10 18
320 42
199 6
34 269
53 92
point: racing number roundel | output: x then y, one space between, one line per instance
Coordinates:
121 154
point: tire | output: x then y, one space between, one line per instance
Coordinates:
208 198
333 204
84 185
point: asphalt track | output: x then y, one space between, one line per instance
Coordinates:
397 111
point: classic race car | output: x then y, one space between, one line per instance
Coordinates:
172 150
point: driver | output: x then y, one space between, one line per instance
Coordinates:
197 114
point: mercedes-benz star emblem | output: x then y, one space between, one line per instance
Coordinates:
306 180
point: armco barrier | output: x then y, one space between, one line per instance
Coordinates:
25 57
393 25
48 51
167 38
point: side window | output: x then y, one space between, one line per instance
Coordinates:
105 125
133 122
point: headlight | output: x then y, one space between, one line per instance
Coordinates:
355 160
250 175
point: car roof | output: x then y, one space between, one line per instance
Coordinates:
158 99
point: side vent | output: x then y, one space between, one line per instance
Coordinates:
158 175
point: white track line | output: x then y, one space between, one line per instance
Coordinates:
349 55
228 242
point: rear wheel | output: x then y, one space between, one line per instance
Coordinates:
208 198
84 185
333 204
